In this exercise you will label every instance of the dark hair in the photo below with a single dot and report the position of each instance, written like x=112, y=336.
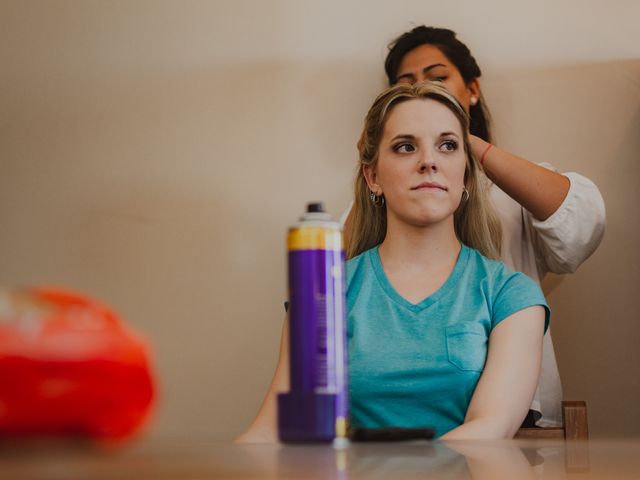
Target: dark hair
x=457, y=53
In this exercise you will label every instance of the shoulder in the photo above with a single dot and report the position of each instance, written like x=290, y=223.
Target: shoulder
x=486, y=268
x=507, y=291
x=355, y=263
x=360, y=277
x=497, y=274
x=358, y=265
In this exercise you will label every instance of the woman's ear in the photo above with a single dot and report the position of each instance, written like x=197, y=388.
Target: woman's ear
x=371, y=177
x=473, y=87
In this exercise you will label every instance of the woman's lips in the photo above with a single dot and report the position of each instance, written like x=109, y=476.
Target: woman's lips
x=429, y=186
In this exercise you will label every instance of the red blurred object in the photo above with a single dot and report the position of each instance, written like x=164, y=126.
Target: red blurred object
x=69, y=366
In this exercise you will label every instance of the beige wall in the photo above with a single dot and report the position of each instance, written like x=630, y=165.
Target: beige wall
x=153, y=153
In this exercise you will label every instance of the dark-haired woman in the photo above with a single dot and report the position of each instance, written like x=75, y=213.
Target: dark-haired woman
x=551, y=222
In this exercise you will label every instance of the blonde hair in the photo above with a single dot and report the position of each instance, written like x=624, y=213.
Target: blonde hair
x=475, y=221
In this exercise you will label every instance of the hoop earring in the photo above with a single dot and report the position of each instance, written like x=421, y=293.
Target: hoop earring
x=378, y=201
x=465, y=194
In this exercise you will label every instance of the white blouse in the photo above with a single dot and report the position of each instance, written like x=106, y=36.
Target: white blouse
x=558, y=244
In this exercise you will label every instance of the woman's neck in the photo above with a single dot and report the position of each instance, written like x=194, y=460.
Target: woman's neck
x=419, y=248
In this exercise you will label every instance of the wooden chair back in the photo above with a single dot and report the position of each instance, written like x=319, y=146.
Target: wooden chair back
x=574, y=424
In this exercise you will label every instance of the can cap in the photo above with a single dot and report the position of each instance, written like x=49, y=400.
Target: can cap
x=316, y=216
x=315, y=207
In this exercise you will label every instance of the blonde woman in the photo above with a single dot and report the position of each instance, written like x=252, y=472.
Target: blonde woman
x=439, y=334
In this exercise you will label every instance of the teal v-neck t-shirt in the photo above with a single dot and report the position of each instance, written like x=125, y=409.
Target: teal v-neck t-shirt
x=417, y=365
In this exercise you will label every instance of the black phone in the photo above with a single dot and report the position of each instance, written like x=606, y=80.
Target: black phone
x=390, y=434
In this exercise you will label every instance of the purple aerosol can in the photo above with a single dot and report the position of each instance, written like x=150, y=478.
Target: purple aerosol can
x=316, y=407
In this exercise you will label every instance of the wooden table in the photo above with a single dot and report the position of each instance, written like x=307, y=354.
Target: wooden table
x=513, y=459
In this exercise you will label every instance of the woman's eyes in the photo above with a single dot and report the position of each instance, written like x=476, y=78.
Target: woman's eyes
x=438, y=79
x=404, y=148
x=449, y=146
x=445, y=146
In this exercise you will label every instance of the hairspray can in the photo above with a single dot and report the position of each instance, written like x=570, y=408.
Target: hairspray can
x=315, y=408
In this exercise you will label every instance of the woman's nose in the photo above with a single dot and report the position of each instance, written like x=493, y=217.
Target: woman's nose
x=426, y=162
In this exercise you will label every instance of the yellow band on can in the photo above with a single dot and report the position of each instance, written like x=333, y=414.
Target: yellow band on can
x=314, y=238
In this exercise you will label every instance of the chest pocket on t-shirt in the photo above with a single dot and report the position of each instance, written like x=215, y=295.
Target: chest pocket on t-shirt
x=467, y=346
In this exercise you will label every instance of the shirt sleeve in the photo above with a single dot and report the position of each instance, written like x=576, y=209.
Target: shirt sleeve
x=517, y=293
x=573, y=232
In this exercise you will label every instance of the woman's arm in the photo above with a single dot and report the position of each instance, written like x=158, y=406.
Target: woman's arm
x=494, y=460
x=503, y=394
x=539, y=190
x=263, y=429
